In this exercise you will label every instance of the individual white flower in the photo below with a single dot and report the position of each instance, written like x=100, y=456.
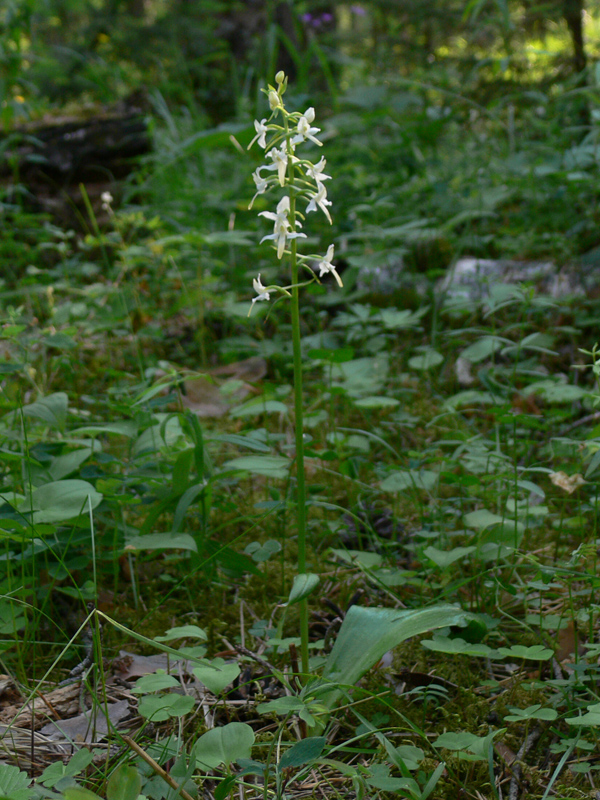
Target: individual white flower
x=304, y=128
x=261, y=292
x=261, y=133
x=262, y=184
x=274, y=101
x=280, y=162
x=107, y=199
x=315, y=171
x=326, y=266
x=281, y=226
x=320, y=199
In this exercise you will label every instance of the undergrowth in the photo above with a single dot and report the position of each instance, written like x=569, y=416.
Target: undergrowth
x=451, y=456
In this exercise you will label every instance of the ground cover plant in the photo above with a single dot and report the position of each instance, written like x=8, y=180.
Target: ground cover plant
x=315, y=515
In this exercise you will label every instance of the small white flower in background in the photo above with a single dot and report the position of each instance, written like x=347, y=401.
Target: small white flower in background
x=320, y=199
x=325, y=266
x=304, y=129
x=107, y=199
x=315, y=171
x=280, y=162
x=282, y=226
x=261, y=133
x=261, y=292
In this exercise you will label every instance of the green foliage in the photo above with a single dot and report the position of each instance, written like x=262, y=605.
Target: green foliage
x=452, y=448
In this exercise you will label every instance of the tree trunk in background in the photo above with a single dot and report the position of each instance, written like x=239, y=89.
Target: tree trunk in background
x=573, y=14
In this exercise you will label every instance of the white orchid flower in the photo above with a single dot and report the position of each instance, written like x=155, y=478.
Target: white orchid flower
x=280, y=162
x=262, y=185
x=281, y=226
x=261, y=133
x=320, y=199
x=261, y=292
x=325, y=266
x=305, y=131
x=315, y=171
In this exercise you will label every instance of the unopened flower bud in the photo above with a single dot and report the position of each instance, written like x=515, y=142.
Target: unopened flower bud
x=274, y=101
x=280, y=77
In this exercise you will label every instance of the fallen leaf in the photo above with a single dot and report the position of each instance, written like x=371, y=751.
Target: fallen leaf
x=89, y=726
x=567, y=482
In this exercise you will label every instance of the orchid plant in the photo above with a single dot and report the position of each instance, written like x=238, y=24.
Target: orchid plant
x=301, y=180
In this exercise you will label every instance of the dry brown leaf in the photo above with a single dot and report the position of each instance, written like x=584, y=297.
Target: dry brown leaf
x=569, y=483
x=250, y=370
x=211, y=396
x=89, y=726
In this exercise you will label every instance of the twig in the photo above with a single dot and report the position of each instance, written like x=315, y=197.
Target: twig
x=517, y=770
x=582, y=421
x=156, y=767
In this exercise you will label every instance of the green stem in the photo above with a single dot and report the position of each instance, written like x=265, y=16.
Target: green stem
x=298, y=408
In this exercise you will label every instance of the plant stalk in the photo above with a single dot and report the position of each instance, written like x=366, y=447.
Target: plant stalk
x=298, y=414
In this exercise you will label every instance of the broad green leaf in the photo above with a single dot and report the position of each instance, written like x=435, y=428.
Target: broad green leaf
x=69, y=462
x=482, y=519
x=165, y=433
x=442, y=644
x=281, y=705
x=470, y=397
x=303, y=752
x=531, y=712
x=14, y=784
x=76, y=764
x=483, y=348
x=394, y=318
x=262, y=552
x=162, y=541
x=158, y=708
x=377, y=402
x=362, y=376
x=269, y=466
x=367, y=633
x=443, y=558
x=456, y=741
x=155, y=682
x=126, y=428
x=258, y=405
x=363, y=558
x=59, y=501
x=240, y=441
x=564, y=393
x=410, y=756
x=423, y=479
x=304, y=584
x=555, y=392
x=592, y=717
x=427, y=360
x=224, y=745
x=125, y=783
x=182, y=632
x=217, y=675
x=51, y=409
x=535, y=652
x=79, y=793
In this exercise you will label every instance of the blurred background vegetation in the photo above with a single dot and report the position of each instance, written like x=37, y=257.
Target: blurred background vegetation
x=213, y=54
